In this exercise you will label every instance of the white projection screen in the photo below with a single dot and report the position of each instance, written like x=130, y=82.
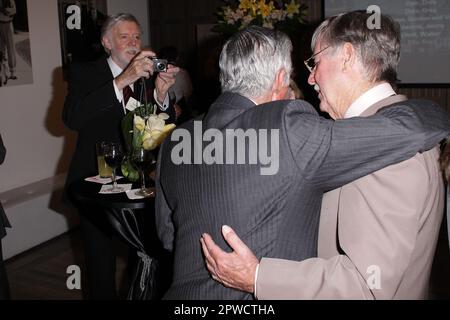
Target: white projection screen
x=425, y=25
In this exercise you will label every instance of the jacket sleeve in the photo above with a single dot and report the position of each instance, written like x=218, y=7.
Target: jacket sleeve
x=86, y=99
x=170, y=110
x=333, y=153
x=309, y=279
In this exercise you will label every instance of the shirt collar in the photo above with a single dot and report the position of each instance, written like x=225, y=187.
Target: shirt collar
x=369, y=98
x=115, y=69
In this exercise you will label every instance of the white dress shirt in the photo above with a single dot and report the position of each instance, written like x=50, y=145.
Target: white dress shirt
x=369, y=98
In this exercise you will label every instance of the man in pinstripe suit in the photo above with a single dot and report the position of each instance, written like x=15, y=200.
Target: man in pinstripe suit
x=277, y=215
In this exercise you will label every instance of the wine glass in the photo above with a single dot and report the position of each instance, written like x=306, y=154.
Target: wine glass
x=142, y=159
x=113, y=157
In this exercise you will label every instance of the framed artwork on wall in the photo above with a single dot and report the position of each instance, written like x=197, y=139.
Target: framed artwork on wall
x=15, y=52
x=80, y=23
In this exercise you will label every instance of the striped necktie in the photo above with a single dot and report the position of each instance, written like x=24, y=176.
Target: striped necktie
x=127, y=94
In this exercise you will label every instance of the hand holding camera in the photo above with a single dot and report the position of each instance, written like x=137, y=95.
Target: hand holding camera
x=159, y=65
x=145, y=64
x=141, y=66
x=165, y=80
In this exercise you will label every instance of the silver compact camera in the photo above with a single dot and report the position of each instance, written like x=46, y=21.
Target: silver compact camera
x=159, y=65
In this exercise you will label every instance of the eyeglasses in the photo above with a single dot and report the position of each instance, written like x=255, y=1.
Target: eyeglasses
x=310, y=63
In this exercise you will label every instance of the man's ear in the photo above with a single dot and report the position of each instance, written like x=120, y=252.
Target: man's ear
x=348, y=55
x=279, y=88
x=106, y=43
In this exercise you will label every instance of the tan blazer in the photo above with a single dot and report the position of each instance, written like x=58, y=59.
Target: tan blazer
x=377, y=237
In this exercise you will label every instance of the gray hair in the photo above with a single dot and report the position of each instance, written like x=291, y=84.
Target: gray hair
x=251, y=58
x=111, y=21
x=378, y=49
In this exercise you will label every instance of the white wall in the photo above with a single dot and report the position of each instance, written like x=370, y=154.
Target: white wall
x=30, y=114
x=139, y=8
x=38, y=145
x=37, y=215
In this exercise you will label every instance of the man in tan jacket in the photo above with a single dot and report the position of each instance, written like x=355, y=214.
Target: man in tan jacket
x=378, y=234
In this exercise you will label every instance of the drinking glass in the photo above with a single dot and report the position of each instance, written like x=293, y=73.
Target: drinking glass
x=113, y=156
x=104, y=170
x=142, y=159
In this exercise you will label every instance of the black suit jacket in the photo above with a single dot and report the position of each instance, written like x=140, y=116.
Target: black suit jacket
x=91, y=108
x=3, y=219
x=276, y=215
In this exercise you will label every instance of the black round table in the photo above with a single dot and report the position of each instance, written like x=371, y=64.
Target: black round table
x=87, y=193
x=121, y=213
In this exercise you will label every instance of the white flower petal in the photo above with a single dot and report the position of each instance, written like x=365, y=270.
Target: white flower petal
x=163, y=116
x=138, y=123
x=149, y=144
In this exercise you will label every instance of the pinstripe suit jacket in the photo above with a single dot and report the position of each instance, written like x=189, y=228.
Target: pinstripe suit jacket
x=277, y=215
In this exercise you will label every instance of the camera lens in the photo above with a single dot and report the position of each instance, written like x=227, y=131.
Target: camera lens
x=160, y=66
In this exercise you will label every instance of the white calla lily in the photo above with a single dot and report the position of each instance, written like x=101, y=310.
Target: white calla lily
x=155, y=133
x=138, y=123
x=155, y=123
x=163, y=116
x=147, y=135
x=149, y=144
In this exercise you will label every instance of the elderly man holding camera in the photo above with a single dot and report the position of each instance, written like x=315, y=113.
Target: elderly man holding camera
x=97, y=100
